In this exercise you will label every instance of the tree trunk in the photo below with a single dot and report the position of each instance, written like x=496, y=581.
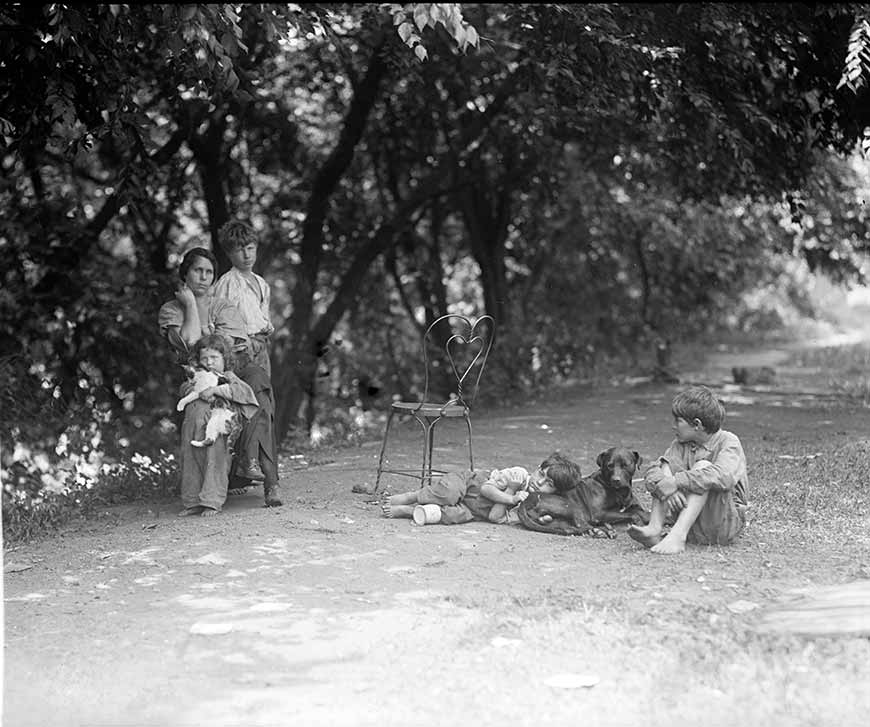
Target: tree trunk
x=208, y=149
x=297, y=364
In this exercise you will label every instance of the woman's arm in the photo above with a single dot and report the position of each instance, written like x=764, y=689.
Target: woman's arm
x=191, y=329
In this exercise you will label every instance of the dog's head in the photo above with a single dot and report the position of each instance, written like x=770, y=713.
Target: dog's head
x=188, y=370
x=618, y=466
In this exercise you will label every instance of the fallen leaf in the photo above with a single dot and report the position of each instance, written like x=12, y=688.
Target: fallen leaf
x=211, y=629
x=571, y=681
x=16, y=567
x=210, y=559
x=270, y=607
x=500, y=641
x=741, y=606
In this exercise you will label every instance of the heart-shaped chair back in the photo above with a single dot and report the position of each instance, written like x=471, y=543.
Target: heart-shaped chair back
x=466, y=347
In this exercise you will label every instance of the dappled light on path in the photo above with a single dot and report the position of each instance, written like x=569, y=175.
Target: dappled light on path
x=323, y=611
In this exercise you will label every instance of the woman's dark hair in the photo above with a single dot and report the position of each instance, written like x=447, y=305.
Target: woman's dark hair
x=190, y=257
x=219, y=343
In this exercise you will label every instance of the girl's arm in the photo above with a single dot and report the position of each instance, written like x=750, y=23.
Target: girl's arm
x=237, y=392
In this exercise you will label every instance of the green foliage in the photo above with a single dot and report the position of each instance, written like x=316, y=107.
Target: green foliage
x=590, y=174
x=857, y=66
x=413, y=18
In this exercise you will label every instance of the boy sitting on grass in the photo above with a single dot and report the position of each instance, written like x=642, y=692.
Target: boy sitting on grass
x=700, y=479
x=466, y=496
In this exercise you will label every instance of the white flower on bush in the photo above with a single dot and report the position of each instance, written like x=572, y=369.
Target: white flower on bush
x=41, y=462
x=62, y=444
x=54, y=483
x=20, y=453
x=141, y=459
x=88, y=468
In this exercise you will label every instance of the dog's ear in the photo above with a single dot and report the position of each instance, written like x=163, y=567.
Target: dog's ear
x=603, y=458
x=637, y=459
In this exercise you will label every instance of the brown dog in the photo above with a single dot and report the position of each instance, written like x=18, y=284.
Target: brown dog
x=603, y=498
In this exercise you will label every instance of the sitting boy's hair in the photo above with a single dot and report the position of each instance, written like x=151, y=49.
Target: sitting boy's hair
x=563, y=473
x=235, y=234
x=216, y=342
x=699, y=402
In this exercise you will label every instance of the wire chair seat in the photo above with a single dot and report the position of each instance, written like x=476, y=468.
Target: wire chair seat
x=475, y=341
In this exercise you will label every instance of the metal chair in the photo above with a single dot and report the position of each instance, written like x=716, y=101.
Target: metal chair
x=457, y=350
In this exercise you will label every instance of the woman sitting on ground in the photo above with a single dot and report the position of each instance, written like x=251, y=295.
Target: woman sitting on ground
x=196, y=312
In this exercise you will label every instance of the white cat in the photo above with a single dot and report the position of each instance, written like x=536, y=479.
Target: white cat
x=219, y=418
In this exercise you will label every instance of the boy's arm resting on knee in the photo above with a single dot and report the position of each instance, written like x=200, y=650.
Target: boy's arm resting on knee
x=721, y=474
x=658, y=478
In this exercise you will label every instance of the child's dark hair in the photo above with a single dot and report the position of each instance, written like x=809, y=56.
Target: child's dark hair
x=563, y=473
x=216, y=342
x=699, y=402
x=190, y=258
x=236, y=234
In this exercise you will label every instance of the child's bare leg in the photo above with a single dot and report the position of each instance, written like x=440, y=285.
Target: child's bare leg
x=497, y=513
x=401, y=505
x=675, y=541
x=650, y=535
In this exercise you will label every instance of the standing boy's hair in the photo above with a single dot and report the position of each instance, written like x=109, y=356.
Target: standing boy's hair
x=699, y=402
x=563, y=472
x=235, y=234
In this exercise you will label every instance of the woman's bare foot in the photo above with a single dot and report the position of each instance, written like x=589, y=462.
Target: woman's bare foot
x=188, y=511
x=646, y=537
x=209, y=512
x=670, y=545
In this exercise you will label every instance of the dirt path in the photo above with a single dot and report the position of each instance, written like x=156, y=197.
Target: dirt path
x=325, y=613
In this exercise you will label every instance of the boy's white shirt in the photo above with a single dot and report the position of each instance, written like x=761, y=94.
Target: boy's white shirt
x=236, y=287
x=514, y=478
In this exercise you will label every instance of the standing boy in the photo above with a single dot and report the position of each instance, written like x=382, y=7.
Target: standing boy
x=249, y=291
x=257, y=456
x=700, y=479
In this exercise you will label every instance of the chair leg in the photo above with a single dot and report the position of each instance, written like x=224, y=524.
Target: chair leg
x=470, y=454
x=427, y=452
x=383, y=449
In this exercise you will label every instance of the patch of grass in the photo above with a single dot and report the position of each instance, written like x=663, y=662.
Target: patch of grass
x=847, y=368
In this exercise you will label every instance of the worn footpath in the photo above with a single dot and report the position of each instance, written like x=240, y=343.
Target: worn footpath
x=323, y=612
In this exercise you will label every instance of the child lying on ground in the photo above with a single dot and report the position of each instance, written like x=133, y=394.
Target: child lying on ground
x=465, y=496
x=700, y=479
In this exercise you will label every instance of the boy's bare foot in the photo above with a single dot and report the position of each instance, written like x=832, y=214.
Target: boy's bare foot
x=188, y=511
x=647, y=538
x=209, y=512
x=669, y=546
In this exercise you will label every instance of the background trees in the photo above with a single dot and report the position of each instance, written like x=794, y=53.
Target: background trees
x=591, y=175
